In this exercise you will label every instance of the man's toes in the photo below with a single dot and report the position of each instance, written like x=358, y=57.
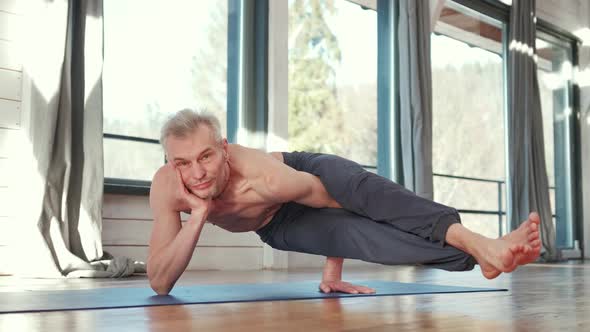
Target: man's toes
x=526, y=225
x=527, y=249
x=534, y=217
x=515, y=248
x=533, y=236
x=536, y=243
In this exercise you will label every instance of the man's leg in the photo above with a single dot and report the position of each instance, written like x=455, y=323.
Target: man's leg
x=341, y=233
x=376, y=197
x=382, y=200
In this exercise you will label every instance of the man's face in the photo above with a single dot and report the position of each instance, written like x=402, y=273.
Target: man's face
x=201, y=161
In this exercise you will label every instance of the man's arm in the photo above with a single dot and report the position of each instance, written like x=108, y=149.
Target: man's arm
x=285, y=184
x=171, y=244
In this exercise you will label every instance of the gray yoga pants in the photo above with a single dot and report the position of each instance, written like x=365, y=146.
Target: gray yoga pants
x=380, y=221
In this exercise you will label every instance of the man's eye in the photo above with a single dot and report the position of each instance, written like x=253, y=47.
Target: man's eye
x=205, y=157
x=182, y=163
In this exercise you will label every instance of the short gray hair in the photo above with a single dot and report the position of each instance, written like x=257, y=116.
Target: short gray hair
x=186, y=121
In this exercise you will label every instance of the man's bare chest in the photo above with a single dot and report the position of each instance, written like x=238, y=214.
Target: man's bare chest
x=240, y=209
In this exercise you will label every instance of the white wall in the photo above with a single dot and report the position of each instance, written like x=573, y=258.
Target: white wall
x=10, y=114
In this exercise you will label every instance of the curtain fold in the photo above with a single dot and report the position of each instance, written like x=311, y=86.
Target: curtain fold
x=415, y=97
x=60, y=219
x=528, y=182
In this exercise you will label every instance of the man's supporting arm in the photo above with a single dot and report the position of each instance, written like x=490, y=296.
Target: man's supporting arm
x=332, y=279
x=171, y=244
x=167, y=262
x=333, y=269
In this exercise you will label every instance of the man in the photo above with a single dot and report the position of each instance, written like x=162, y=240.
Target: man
x=312, y=203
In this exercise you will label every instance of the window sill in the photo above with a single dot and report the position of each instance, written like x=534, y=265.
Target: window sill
x=126, y=187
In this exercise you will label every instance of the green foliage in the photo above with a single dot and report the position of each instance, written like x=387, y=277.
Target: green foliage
x=315, y=117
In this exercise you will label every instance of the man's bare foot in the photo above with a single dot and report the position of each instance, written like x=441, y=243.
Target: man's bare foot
x=496, y=256
x=519, y=247
x=527, y=234
x=524, y=246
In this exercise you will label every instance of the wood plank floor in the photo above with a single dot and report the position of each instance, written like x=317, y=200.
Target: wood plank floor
x=541, y=298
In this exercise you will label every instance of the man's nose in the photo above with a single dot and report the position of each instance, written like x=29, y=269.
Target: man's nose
x=197, y=171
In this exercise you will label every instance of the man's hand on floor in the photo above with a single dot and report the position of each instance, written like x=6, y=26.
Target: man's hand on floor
x=327, y=286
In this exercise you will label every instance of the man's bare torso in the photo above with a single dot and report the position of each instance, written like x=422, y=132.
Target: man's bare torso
x=240, y=207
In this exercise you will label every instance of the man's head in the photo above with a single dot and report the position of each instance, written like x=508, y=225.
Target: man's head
x=193, y=144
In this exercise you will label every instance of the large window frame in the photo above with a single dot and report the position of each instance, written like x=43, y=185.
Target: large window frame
x=501, y=12
x=247, y=101
x=559, y=37
x=489, y=16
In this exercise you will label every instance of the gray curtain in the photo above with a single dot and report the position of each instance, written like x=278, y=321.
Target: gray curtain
x=415, y=118
x=62, y=159
x=528, y=184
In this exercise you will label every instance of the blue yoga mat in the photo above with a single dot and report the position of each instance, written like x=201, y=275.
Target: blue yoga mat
x=104, y=298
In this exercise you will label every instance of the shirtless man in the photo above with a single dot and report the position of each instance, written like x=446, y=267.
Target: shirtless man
x=313, y=203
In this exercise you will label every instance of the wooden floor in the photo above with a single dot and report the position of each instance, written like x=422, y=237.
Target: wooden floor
x=541, y=298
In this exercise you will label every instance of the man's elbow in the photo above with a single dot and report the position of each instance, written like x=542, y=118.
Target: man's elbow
x=158, y=282
x=160, y=287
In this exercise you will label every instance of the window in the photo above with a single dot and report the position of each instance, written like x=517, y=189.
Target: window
x=555, y=74
x=468, y=117
x=158, y=58
x=333, y=79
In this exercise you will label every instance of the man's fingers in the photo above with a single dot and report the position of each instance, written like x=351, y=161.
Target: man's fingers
x=346, y=289
x=365, y=290
x=180, y=182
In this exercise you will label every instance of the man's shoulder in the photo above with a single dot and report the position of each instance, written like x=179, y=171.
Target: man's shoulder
x=247, y=160
x=163, y=174
x=163, y=181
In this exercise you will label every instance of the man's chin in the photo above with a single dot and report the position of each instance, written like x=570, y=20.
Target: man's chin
x=204, y=195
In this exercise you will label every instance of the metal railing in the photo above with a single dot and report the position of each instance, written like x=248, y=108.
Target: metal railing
x=500, y=212
x=499, y=183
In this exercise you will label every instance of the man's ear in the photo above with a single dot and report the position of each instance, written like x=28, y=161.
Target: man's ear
x=169, y=162
x=224, y=146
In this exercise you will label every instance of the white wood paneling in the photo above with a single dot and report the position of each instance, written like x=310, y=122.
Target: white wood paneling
x=8, y=142
x=6, y=230
x=6, y=172
x=9, y=114
x=13, y=6
x=204, y=258
x=127, y=224
x=10, y=26
x=137, y=232
x=126, y=207
x=10, y=84
x=5, y=260
x=6, y=209
x=10, y=57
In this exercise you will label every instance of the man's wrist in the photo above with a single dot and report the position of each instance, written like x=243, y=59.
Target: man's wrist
x=197, y=217
x=333, y=269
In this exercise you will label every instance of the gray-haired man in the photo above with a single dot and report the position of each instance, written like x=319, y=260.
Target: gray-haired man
x=307, y=202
